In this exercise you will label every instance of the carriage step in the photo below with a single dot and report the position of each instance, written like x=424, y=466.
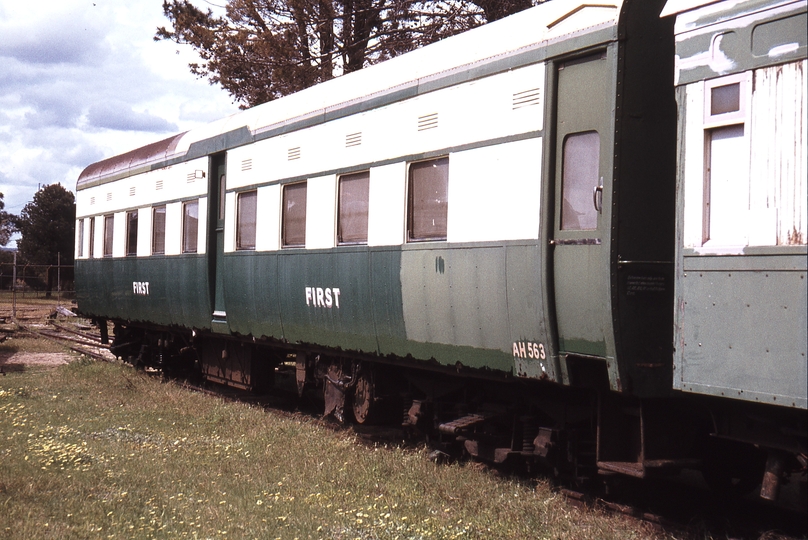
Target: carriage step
x=456, y=426
x=640, y=469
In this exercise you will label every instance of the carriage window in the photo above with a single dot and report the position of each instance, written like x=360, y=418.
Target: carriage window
x=109, y=223
x=579, y=180
x=725, y=193
x=81, y=238
x=91, y=247
x=428, y=200
x=725, y=99
x=352, y=217
x=293, y=233
x=158, y=230
x=245, y=220
x=131, y=233
x=726, y=190
x=190, y=226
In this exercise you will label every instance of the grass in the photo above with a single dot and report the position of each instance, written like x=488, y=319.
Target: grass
x=20, y=341
x=93, y=450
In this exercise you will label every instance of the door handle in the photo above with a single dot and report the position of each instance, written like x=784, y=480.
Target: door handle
x=597, y=196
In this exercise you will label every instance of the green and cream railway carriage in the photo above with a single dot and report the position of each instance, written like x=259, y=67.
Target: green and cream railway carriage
x=500, y=209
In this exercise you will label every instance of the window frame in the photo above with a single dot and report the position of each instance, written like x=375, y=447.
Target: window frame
x=190, y=242
x=246, y=243
x=80, y=251
x=109, y=234
x=355, y=239
x=91, y=246
x=287, y=188
x=155, y=231
x=411, y=237
x=719, y=124
x=744, y=82
x=131, y=216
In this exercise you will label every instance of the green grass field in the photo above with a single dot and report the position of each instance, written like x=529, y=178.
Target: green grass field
x=95, y=450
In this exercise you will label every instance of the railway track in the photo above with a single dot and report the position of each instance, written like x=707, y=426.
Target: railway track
x=82, y=342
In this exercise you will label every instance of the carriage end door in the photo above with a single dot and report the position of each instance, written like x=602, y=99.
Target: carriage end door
x=216, y=242
x=584, y=112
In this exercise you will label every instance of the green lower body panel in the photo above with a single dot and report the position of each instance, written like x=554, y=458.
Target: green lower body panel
x=476, y=306
x=447, y=304
x=169, y=291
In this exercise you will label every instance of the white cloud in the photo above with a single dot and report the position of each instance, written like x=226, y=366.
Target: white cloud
x=119, y=116
x=82, y=80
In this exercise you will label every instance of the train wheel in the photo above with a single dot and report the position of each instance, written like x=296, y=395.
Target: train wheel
x=364, y=398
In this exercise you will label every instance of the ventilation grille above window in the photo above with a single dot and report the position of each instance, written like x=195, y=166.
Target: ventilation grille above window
x=132, y=191
x=92, y=200
x=158, y=185
x=428, y=121
x=293, y=153
x=190, y=177
x=246, y=164
x=526, y=98
x=353, y=139
x=109, y=196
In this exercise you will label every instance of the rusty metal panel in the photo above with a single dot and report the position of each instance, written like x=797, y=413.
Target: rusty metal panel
x=779, y=149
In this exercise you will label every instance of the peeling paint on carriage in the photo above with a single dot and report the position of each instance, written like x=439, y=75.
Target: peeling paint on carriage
x=740, y=325
x=725, y=38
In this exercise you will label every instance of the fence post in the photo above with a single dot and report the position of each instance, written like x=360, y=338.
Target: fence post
x=59, y=278
x=14, y=290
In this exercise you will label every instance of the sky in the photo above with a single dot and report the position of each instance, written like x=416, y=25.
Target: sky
x=83, y=80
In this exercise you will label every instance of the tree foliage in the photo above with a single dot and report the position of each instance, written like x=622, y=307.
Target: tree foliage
x=264, y=49
x=46, y=225
x=7, y=227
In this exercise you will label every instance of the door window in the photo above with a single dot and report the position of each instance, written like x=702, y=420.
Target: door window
x=579, y=181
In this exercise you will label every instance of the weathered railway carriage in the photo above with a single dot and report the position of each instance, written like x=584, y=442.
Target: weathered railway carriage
x=485, y=228
x=740, y=324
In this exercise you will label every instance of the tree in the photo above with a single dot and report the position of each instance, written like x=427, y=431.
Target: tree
x=6, y=223
x=264, y=49
x=46, y=225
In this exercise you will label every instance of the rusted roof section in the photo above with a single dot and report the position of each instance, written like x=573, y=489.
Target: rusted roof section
x=125, y=163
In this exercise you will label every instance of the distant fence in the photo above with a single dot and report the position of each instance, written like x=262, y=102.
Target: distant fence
x=36, y=284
